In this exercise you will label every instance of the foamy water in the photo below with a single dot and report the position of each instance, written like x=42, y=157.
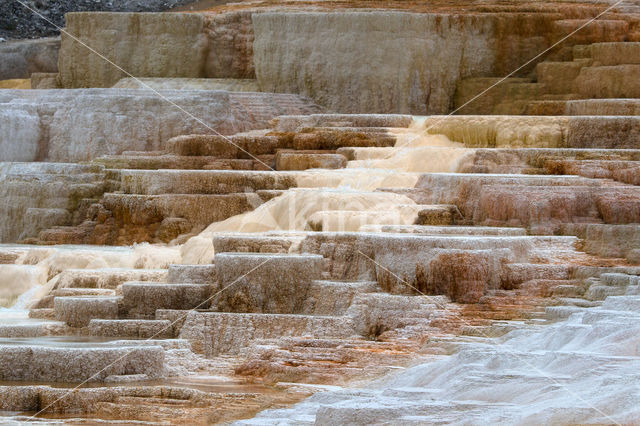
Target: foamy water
x=300, y=209
x=36, y=270
x=344, y=200
x=415, y=151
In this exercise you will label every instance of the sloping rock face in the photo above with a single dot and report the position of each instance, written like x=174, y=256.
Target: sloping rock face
x=43, y=125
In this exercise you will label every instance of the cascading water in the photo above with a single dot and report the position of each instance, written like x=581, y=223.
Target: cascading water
x=578, y=371
x=18, y=280
x=347, y=193
x=35, y=272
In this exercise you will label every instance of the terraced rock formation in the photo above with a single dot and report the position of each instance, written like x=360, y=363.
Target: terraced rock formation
x=185, y=254
x=331, y=54
x=598, y=79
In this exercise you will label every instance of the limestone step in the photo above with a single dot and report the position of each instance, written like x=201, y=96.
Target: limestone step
x=146, y=161
x=579, y=302
x=600, y=168
x=197, y=209
x=260, y=163
x=53, y=191
x=353, y=129
x=335, y=139
x=619, y=280
x=137, y=154
x=601, y=292
x=157, y=182
x=78, y=311
x=519, y=273
x=83, y=292
x=265, y=282
x=197, y=274
x=538, y=157
x=615, y=53
x=415, y=248
x=523, y=91
x=574, y=132
x=633, y=290
x=374, y=313
x=297, y=160
x=622, y=303
x=558, y=77
x=442, y=181
x=8, y=256
x=252, y=243
x=468, y=89
x=230, y=147
x=568, y=291
x=107, y=278
x=34, y=329
x=65, y=235
x=170, y=161
x=334, y=297
x=214, y=333
x=130, y=218
x=42, y=313
x=226, y=84
x=554, y=243
x=630, y=175
x=621, y=318
x=138, y=329
x=444, y=230
x=293, y=123
x=48, y=300
x=141, y=299
x=353, y=220
x=443, y=214
x=602, y=107
x=77, y=364
x=612, y=81
x=581, y=51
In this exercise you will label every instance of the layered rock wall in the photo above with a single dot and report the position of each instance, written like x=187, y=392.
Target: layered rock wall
x=388, y=61
x=354, y=61
x=371, y=61
x=154, y=45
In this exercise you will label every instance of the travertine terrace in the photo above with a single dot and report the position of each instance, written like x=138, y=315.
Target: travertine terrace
x=324, y=213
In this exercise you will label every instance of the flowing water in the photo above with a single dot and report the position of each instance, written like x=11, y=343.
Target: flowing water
x=35, y=271
x=344, y=200
x=582, y=370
